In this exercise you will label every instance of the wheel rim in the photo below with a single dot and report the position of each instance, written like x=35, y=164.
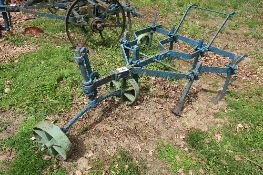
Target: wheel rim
x=53, y=138
x=94, y=22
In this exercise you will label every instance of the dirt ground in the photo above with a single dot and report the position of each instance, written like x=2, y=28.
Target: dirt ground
x=139, y=128
x=9, y=123
x=9, y=52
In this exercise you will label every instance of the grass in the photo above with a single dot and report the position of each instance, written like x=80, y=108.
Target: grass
x=40, y=86
x=177, y=159
x=121, y=163
x=240, y=145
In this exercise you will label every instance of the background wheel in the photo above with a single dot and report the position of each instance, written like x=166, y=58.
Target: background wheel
x=99, y=22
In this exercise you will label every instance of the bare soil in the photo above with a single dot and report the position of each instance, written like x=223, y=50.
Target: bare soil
x=9, y=123
x=8, y=51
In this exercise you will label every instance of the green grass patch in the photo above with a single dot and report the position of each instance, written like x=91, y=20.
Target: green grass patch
x=240, y=145
x=41, y=81
x=121, y=163
x=176, y=158
x=41, y=84
x=17, y=40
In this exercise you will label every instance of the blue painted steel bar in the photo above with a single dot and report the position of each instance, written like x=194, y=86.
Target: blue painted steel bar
x=219, y=29
x=114, y=76
x=125, y=53
x=238, y=59
x=183, y=18
x=187, y=40
x=83, y=53
x=7, y=23
x=193, y=75
x=183, y=55
x=211, y=10
x=180, y=105
x=145, y=30
x=152, y=59
x=159, y=29
x=209, y=69
x=43, y=14
x=222, y=93
x=90, y=105
x=80, y=59
x=158, y=73
x=222, y=52
x=167, y=65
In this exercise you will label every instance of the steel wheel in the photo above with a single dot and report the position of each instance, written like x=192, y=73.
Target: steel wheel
x=53, y=138
x=131, y=91
x=96, y=21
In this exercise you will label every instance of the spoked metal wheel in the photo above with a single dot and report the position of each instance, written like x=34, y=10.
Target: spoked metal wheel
x=95, y=21
x=131, y=91
x=53, y=138
x=129, y=88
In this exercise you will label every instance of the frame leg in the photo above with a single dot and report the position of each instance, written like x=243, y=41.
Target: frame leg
x=178, y=109
x=171, y=47
x=222, y=93
x=6, y=21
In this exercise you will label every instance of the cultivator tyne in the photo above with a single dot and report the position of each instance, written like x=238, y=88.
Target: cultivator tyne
x=124, y=81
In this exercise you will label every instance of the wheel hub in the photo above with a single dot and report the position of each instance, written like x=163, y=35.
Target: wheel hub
x=97, y=25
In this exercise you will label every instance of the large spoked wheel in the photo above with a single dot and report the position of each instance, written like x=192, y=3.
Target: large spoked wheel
x=95, y=21
x=53, y=138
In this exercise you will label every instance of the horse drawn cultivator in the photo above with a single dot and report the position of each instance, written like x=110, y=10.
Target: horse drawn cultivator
x=98, y=15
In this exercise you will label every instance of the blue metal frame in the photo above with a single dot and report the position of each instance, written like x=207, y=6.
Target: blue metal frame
x=6, y=18
x=135, y=62
x=172, y=37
